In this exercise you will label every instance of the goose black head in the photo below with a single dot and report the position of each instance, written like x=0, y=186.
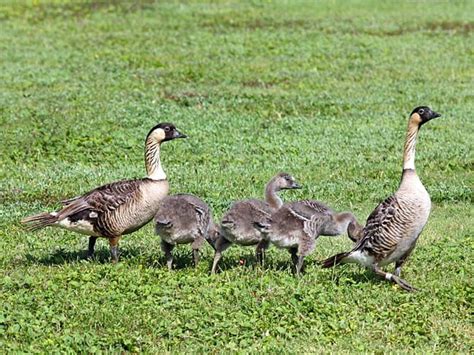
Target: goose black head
x=163, y=132
x=423, y=114
x=285, y=181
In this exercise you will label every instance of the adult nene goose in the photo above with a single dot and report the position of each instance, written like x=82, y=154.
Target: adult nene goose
x=240, y=223
x=119, y=208
x=393, y=228
x=184, y=219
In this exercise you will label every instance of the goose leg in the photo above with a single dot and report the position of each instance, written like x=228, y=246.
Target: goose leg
x=90, y=249
x=393, y=278
x=401, y=261
x=221, y=245
x=262, y=246
x=167, y=248
x=113, y=243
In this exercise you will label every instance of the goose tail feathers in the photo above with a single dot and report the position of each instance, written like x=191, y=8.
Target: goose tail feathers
x=334, y=260
x=39, y=221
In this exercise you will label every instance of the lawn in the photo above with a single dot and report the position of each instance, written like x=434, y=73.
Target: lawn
x=321, y=90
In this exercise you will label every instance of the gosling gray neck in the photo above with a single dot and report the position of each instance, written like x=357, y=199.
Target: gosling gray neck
x=152, y=160
x=271, y=197
x=343, y=219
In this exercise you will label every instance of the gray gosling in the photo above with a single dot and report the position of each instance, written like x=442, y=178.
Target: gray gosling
x=393, y=228
x=119, y=208
x=184, y=219
x=297, y=225
x=240, y=224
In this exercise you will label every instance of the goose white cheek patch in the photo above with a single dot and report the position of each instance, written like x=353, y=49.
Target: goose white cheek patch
x=159, y=134
x=388, y=276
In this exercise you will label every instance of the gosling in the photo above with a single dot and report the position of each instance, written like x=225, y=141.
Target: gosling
x=184, y=219
x=240, y=224
x=297, y=225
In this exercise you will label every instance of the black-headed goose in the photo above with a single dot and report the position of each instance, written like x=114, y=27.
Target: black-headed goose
x=119, y=208
x=240, y=223
x=393, y=228
x=297, y=225
x=184, y=219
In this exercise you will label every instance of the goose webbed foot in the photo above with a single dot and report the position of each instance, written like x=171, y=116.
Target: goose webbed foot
x=394, y=278
x=403, y=284
x=91, y=247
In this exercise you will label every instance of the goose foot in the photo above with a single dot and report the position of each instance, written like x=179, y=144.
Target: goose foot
x=393, y=278
x=403, y=284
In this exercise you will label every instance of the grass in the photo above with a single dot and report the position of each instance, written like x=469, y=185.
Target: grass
x=320, y=90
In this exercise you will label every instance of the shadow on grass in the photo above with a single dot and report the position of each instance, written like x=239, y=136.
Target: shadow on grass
x=181, y=259
x=101, y=256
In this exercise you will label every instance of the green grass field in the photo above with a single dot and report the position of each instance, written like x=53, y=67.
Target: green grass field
x=320, y=90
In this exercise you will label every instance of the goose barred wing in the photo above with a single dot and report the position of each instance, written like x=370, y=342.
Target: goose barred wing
x=104, y=199
x=380, y=234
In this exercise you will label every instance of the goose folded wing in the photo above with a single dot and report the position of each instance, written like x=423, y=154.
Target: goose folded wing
x=104, y=199
x=379, y=234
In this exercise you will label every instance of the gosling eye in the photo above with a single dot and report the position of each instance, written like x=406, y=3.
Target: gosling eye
x=421, y=111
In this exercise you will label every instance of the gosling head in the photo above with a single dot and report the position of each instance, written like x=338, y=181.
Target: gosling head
x=284, y=181
x=163, y=132
x=422, y=114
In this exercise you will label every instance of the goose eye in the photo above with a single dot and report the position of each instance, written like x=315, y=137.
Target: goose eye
x=167, y=129
x=421, y=111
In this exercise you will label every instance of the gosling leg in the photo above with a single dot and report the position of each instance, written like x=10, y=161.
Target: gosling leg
x=221, y=245
x=167, y=248
x=294, y=258
x=196, y=245
x=262, y=247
